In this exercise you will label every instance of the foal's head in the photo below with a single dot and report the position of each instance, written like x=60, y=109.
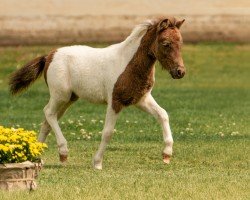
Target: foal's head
x=167, y=46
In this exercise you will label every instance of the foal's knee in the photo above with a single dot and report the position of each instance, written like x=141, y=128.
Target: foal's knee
x=48, y=114
x=107, y=134
x=163, y=116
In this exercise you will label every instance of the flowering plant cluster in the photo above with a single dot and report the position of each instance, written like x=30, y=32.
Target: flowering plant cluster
x=19, y=145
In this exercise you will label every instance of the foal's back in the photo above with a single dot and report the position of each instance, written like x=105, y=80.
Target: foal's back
x=88, y=72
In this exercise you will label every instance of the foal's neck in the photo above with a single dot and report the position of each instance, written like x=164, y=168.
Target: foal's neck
x=144, y=59
x=138, y=76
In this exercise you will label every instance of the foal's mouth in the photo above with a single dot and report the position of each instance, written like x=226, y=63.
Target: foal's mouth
x=177, y=73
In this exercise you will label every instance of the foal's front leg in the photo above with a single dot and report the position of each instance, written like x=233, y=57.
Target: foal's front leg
x=149, y=105
x=107, y=132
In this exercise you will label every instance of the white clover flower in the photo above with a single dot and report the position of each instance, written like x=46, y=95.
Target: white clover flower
x=82, y=131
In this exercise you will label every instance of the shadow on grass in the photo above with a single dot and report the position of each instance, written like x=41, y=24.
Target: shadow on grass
x=61, y=166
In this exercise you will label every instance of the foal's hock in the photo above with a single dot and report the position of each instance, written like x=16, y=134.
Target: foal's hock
x=119, y=75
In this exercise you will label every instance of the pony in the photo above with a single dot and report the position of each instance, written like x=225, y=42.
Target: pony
x=119, y=75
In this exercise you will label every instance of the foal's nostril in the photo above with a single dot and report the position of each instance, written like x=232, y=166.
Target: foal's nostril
x=179, y=73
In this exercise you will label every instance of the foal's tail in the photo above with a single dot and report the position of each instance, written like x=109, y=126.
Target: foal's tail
x=23, y=77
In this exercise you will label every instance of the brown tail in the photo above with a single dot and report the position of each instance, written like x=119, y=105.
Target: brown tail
x=22, y=78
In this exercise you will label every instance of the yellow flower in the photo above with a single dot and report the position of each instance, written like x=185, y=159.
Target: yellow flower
x=18, y=145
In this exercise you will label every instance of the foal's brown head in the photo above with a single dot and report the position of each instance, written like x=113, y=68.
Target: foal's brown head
x=167, y=46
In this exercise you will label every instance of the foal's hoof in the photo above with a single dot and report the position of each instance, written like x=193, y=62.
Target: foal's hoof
x=166, y=158
x=63, y=158
x=97, y=164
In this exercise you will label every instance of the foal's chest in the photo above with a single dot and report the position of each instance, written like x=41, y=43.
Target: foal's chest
x=131, y=86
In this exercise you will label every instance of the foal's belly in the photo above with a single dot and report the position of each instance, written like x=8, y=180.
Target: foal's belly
x=91, y=90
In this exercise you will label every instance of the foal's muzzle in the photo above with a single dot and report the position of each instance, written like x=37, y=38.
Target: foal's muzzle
x=178, y=72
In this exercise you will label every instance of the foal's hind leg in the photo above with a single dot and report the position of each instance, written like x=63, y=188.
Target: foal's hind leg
x=44, y=131
x=51, y=110
x=45, y=128
x=107, y=131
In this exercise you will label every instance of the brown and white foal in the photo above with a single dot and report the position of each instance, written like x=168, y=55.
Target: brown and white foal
x=119, y=75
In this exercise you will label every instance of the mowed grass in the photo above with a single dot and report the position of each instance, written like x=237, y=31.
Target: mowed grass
x=209, y=113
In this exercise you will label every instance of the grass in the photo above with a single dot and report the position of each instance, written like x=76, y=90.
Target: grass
x=209, y=116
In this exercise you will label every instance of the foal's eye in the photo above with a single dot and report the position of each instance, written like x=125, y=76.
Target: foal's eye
x=166, y=44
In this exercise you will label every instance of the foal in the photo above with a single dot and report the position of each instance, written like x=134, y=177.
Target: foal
x=119, y=75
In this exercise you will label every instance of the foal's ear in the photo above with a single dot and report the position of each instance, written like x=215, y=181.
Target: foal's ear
x=179, y=23
x=163, y=25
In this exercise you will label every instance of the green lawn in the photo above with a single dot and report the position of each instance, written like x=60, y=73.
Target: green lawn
x=209, y=113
